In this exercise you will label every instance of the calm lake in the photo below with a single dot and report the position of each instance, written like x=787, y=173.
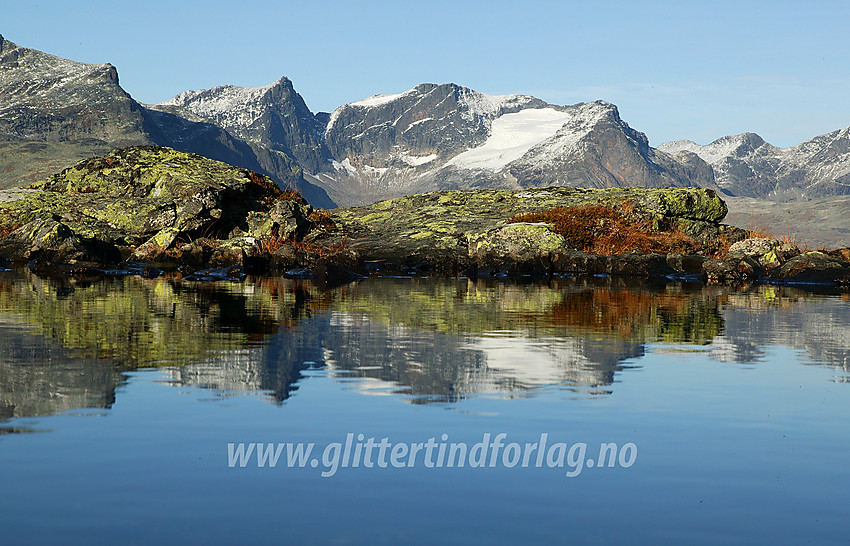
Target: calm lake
x=413, y=410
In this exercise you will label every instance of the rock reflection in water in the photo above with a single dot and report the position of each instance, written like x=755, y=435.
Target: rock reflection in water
x=39, y=377
x=66, y=343
x=443, y=340
x=769, y=315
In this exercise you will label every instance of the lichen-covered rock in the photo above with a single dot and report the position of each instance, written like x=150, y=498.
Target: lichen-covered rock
x=813, y=268
x=155, y=204
x=515, y=243
x=233, y=251
x=452, y=230
x=769, y=253
x=692, y=203
x=732, y=269
x=44, y=238
x=141, y=201
x=156, y=247
x=841, y=253
x=285, y=220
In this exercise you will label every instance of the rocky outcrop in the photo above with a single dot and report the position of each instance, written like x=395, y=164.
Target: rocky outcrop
x=813, y=268
x=460, y=230
x=147, y=203
x=767, y=253
x=779, y=262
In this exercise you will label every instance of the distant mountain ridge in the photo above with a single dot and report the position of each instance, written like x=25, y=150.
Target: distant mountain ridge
x=431, y=137
x=745, y=165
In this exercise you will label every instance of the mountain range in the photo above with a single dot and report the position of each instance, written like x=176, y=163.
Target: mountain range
x=54, y=112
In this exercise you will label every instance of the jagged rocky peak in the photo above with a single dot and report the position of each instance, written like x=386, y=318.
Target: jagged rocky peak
x=274, y=116
x=235, y=108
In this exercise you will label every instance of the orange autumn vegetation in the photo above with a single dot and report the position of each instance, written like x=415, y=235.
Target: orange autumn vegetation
x=606, y=229
x=322, y=219
x=272, y=244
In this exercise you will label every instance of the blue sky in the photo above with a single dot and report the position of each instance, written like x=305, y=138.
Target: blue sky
x=675, y=69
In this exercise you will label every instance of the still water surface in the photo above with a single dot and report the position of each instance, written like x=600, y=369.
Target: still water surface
x=119, y=397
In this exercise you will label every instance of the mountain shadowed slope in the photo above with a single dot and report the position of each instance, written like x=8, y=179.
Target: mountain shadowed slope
x=46, y=98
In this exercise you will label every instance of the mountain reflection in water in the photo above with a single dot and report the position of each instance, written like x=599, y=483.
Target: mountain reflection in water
x=67, y=344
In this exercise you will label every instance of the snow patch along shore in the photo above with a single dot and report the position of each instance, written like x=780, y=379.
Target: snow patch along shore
x=511, y=136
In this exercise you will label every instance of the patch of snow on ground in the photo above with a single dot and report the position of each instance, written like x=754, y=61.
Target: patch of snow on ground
x=415, y=161
x=511, y=136
x=377, y=172
x=585, y=117
x=377, y=100
x=345, y=165
x=417, y=122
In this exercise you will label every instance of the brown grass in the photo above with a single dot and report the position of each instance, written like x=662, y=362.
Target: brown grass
x=322, y=219
x=292, y=195
x=762, y=231
x=273, y=244
x=287, y=194
x=606, y=229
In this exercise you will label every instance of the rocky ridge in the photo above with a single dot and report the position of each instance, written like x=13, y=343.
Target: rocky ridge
x=446, y=137
x=432, y=137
